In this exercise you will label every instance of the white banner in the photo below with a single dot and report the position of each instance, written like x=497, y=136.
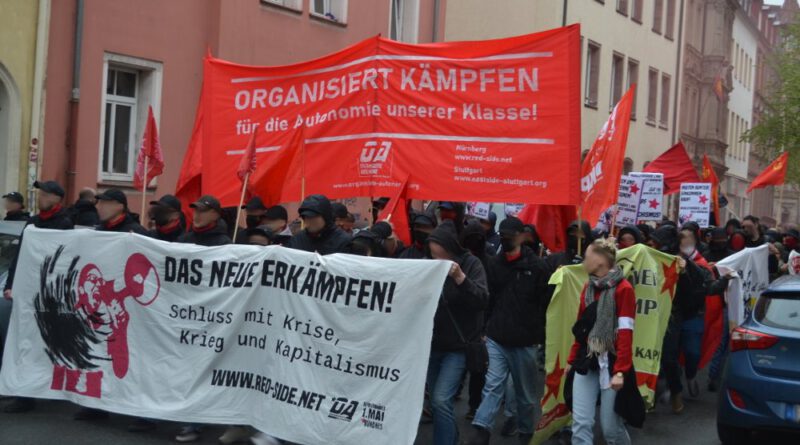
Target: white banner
x=751, y=266
x=695, y=203
x=651, y=198
x=306, y=348
x=794, y=263
x=630, y=190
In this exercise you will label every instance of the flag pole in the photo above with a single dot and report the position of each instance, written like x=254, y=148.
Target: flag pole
x=580, y=227
x=613, y=221
x=144, y=193
x=303, y=181
x=241, y=203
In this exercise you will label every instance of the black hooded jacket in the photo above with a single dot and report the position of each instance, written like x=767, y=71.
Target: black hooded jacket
x=19, y=215
x=330, y=239
x=718, y=251
x=569, y=255
x=128, y=225
x=634, y=232
x=474, y=233
x=693, y=283
x=465, y=301
x=84, y=213
x=519, y=297
x=217, y=236
x=58, y=221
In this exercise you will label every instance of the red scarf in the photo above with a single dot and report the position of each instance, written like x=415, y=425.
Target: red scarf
x=47, y=214
x=115, y=221
x=511, y=257
x=169, y=227
x=205, y=229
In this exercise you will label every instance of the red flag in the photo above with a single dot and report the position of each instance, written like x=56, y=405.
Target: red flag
x=602, y=167
x=676, y=167
x=190, y=180
x=150, y=150
x=278, y=177
x=774, y=174
x=551, y=223
x=248, y=163
x=710, y=176
x=396, y=212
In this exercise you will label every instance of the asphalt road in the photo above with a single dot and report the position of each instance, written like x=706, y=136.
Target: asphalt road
x=52, y=423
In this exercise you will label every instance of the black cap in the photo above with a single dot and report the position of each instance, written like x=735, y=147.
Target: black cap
x=169, y=201
x=113, y=195
x=339, y=210
x=255, y=203
x=206, y=202
x=15, y=197
x=261, y=230
x=383, y=229
x=511, y=226
x=51, y=187
x=277, y=212
x=423, y=219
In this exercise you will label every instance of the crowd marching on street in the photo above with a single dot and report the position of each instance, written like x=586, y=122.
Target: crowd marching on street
x=489, y=328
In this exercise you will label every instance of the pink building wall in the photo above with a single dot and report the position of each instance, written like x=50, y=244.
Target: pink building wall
x=177, y=33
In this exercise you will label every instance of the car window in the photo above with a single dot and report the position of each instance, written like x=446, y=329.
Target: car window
x=781, y=312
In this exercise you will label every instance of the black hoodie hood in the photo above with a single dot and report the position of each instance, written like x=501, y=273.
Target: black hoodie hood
x=474, y=230
x=319, y=204
x=634, y=231
x=667, y=238
x=587, y=233
x=445, y=235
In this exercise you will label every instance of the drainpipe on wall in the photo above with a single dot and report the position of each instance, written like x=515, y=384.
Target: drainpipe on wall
x=564, y=14
x=72, y=142
x=435, y=30
x=37, y=107
x=677, y=76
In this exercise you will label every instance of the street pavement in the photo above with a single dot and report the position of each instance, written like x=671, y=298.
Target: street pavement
x=52, y=423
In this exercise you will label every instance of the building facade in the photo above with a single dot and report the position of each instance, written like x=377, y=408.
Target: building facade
x=623, y=42
x=109, y=60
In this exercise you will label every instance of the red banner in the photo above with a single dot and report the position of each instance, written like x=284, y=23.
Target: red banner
x=602, y=168
x=774, y=174
x=490, y=121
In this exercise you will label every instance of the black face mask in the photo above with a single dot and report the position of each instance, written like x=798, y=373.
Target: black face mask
x=252, y=221
x=161, y=217
x=475, y=245
x=508, y=244
x=718, y=245
x=572, y=243
x=420, y=237
x=532, y=245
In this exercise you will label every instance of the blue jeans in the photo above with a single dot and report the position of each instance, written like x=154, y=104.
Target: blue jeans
x=445, y=370
x=585, y=389
x=691, y=343
x=510, y=399
x=520, y=363
x=715, y=368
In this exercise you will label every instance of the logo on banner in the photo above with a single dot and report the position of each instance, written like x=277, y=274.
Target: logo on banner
x=373, y=415
x=375, y=159
x=83, y=320
x=343, y=409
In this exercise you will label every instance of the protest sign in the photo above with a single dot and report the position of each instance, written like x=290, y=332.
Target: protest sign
x=794, y=263
x=654, y=276
x=235, y=335
x=479, y=210
x=630, y=190
x=489, y=121
x=751, y=266
x=652, y=196
x=513, y=209
x=695, y=203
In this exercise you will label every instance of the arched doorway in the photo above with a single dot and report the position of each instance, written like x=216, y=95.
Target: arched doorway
x=10, y=116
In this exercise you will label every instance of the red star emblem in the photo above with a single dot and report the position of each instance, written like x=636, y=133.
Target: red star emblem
x=553, y=382
x=634, y=188
x=703, y=199
x=653, y=203
x=670, y=278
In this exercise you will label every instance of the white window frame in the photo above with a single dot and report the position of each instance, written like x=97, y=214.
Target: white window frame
x=408, y=21
x=295, y=5
x=327, y=6
x=149, y=75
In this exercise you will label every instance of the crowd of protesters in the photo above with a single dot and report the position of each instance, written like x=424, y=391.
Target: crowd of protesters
x=489, y=328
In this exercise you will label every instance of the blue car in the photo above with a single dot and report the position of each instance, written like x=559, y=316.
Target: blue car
x=761, y=385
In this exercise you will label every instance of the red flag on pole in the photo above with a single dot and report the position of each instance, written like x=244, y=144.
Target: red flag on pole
x=602, y=167
x=551, y=223
x=248, y=163
x=774, y=174
x=396, y=212
x=149, y=154
x=710, y=176
x=279, y=175
x=676, y=167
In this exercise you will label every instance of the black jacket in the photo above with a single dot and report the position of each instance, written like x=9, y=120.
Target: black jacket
x=59, y=221
x=570, y=254
x=170, y=236
x=19, y=215
x=460, y=303
x=693, y=283
x=329, y=240
x=216, y=236
x=519, y=296
x=84, y=213
x=127, y=225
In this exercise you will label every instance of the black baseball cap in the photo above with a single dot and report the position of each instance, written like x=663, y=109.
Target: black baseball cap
x=255, y=203
x=277, y=212
x=51, y=187
x=169, y=201
x=113, y=195
x=339, y=210
x=206, y=202
x=15, y=197
x=511, y=226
